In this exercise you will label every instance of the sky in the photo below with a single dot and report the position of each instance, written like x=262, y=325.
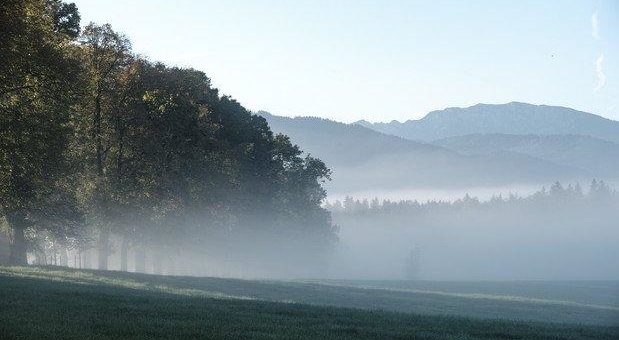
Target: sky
x=382, y=60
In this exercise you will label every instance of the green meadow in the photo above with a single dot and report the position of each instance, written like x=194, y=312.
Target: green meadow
x=61, y=303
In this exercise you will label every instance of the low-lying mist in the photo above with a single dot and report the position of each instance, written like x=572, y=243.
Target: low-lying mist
x=241, y=253
x=559, y=233
x=438, y=194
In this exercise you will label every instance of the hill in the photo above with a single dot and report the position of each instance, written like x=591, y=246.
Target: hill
x=596, y=156
x=79, y=304
x=340, y=144
x=364, y=159
x=511, y=118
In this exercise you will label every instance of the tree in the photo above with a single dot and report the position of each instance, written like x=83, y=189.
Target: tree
x=66, y=18
x=105, y=56
x=99, y=143
x=37, y=78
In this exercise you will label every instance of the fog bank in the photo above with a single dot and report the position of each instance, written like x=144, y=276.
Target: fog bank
x=556, y=234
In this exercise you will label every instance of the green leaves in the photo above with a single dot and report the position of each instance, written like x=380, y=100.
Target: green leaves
x=95, y=138
x=37, y=81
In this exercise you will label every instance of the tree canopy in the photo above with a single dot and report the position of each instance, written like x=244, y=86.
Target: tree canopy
x=104, y=149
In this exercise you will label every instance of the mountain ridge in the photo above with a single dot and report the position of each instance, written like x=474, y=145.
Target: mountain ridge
x=597, y=156
x=321, y=132
x=365, y=158
x=510, y=118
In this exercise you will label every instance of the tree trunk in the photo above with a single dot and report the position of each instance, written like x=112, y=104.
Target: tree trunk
x=87, y=259
x=39, y=257
x=104, y=250
x=18, y=225
x=96, y=131
x=124, y=248
x=140, y=260
x=64, y=257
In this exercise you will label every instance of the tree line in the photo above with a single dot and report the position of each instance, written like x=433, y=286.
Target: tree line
x=103, y=149
x=598, y=193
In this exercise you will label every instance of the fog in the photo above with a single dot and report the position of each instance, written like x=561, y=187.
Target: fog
x=559, y=233
x=439, y=194
x=242, y=253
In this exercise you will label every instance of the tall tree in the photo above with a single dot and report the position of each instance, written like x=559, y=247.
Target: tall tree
x=37, y=77
x=149, y=153
x=106, y=56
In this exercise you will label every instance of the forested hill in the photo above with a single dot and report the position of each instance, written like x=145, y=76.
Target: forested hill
x=363, y=159
x=103, y=150
x=597, y=156
x=511, y=118
x=340, y=144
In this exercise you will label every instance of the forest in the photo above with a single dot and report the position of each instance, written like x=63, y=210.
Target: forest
x=111, y=160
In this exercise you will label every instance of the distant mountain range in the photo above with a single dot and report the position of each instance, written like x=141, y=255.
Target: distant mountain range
x=339, y=144
x=512, y=118
x=596, y=156
x=364, y=159
x=483, y=145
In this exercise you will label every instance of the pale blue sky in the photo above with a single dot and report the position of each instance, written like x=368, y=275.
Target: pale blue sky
x=383, y=60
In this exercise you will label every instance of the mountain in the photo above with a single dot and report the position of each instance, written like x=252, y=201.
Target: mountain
x=340, y=144
x=363, y=159
x=512, y=118
x=596, y=156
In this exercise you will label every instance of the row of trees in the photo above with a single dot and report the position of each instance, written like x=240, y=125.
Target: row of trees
x=97, y=143
x=598, y=193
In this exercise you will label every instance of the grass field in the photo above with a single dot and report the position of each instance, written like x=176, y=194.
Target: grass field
x=60, y=303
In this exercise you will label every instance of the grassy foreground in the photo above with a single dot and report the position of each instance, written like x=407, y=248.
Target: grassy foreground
x=54, y=303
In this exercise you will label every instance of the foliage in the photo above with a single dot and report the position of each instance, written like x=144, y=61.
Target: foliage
x=557, y=195
x=37, y=78
x=99, y=143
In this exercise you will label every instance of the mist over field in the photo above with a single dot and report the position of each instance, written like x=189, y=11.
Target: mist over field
x=553, y=235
